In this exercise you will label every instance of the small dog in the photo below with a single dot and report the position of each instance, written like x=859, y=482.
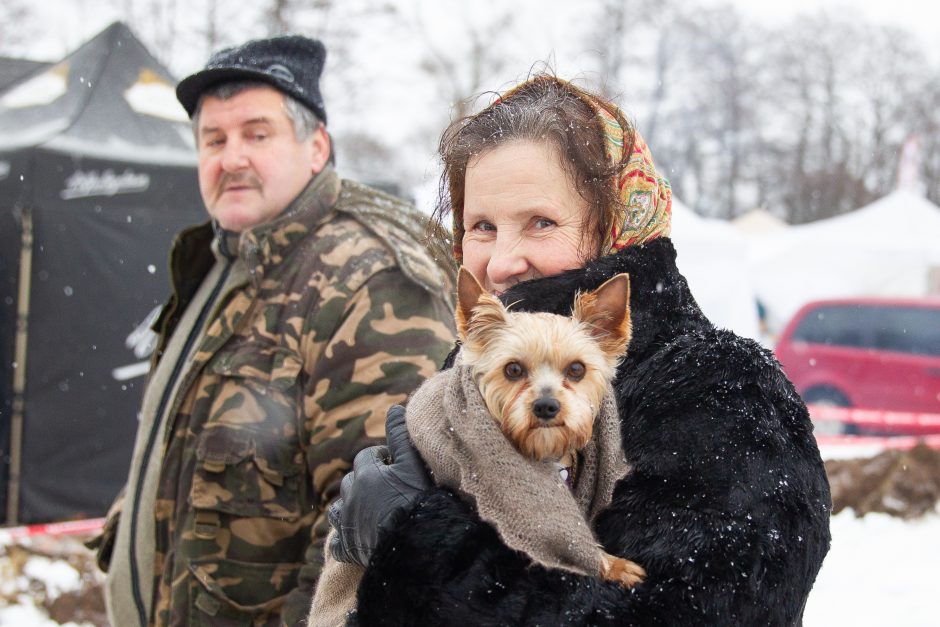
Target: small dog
x=543, y=376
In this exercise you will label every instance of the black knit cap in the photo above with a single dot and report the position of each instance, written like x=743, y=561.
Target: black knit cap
x=291, y=64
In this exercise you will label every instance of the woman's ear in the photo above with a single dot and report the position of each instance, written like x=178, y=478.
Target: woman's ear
x=606, y=311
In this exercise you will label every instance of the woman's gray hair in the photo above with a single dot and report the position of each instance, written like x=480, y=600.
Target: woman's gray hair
x=543, y=109
x=304, y=121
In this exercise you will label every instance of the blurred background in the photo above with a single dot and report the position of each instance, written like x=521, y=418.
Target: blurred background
x=802, y=141
x=801, y=113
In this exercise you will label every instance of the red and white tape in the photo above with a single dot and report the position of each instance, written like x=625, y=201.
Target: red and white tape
x=925, y=426
x=898, y=442
x=89, y=526
x=909, y=428
x=919, y=422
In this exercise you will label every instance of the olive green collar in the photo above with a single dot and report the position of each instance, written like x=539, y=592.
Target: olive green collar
x=267, y=244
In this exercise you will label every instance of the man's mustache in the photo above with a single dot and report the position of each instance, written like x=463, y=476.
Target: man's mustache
x=239, y=179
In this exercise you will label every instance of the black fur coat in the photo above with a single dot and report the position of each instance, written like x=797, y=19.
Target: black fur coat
x=727, y=506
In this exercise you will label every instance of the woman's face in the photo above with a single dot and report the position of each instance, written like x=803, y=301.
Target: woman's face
x=522, y=216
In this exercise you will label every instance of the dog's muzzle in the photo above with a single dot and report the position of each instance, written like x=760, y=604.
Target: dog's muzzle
x=546, y=407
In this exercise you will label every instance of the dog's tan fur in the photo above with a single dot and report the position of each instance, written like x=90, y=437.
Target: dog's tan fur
x=518, y=358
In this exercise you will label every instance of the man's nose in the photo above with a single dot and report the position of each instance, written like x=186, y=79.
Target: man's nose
x=507, y=262
x=234, y=156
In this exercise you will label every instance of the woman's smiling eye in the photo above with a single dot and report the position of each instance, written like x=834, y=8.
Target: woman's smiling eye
x=543, y=223
x=483, y=225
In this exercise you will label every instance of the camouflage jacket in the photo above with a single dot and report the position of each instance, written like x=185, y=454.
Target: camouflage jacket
x=341, y=314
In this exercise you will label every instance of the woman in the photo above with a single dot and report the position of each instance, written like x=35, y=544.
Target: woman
x=727, y=503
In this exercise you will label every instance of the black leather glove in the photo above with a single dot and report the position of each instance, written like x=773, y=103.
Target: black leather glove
x=383, y=480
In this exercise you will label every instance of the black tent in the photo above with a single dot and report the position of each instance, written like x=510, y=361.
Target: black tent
x=96, y=174
x=13, y=69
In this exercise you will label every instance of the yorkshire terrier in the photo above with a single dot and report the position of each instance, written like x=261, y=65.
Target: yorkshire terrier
x=543, y=376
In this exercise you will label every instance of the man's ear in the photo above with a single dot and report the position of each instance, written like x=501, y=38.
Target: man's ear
x=321, y=149
x=471, y=296
x=606, y=310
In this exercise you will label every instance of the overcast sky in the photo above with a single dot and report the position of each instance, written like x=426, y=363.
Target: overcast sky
x=71, y=22
x=921, y=17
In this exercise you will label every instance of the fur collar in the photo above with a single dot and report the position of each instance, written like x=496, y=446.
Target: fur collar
x=662, y=307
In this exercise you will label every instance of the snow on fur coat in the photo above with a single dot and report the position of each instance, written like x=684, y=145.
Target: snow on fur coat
x=727, y=506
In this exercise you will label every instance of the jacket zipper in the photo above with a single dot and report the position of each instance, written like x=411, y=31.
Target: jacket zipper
x=152, y=436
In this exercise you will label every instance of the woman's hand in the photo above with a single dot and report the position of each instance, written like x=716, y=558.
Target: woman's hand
x=383, y=480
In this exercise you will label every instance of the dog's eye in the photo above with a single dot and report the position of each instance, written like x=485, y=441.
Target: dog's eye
x=575, y=371
x=514, y=370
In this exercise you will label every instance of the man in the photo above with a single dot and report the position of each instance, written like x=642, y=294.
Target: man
x=299, y=314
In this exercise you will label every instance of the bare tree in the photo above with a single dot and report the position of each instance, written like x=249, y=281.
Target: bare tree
x=462, y=70
x=892, y=84
x=163, y=19
x=927, y=111
x=845, y=110
x=453, y=62
x=806, y=120
x=212, y=24
x=728, y=50
x=183, y=34
x=702, y=109
x=610, y=37
x=17, y=24
x=663, y=61
x=277, y=16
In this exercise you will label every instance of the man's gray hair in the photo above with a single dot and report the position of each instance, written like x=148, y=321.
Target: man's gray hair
x=304, y=121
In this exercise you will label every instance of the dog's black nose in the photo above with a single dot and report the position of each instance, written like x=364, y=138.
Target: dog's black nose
x=546, y=408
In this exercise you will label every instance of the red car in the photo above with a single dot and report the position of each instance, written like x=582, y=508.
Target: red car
x=874, y=353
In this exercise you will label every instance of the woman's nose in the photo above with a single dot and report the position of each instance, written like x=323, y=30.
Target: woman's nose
x=507, y=263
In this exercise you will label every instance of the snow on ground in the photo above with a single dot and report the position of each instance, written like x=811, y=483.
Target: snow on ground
x=880, y=571
x=26, y=615
x=59, y=571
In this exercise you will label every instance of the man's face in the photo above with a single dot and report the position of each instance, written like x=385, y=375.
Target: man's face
x=251, y=165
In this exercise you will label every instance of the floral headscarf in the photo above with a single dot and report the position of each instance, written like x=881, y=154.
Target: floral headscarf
x=646, y=195
x=645, y=212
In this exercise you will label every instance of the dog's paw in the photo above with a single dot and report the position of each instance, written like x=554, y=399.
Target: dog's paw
x=624, y=572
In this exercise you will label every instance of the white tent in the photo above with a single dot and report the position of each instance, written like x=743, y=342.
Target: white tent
x=884, y=249
x=758, y=221
x=712, y=255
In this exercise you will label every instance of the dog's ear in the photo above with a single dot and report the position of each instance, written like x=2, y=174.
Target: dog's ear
x=606, y=311
x=471, y=296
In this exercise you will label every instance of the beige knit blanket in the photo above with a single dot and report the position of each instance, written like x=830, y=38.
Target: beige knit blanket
x=527, y=502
